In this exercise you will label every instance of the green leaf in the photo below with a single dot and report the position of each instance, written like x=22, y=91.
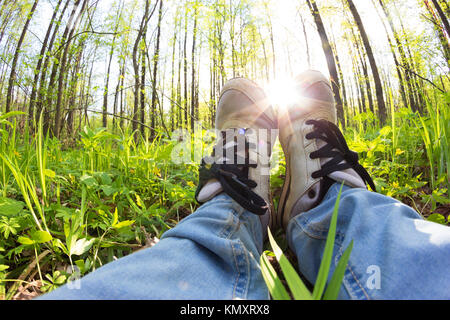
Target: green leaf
x=298, y=288
x=58, y=243
x=335, y=283
x=322, y=276
x=64, y=212
x=3, y=267
x=81, y=246
x=123, y=224
x=10, y=207
x=385, y=131
x=88, y=180
x=105, y=178
x=25, y=240
x=49, y=173
x=59, y=279
x=438, y=218
x=115, y=218
x=139, y=202
x=41, y=236
x=11, y=114
x=83, y=266
x=108, y=190
x=273, y=282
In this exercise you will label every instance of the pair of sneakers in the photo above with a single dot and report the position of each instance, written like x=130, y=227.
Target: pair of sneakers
x=316, y=152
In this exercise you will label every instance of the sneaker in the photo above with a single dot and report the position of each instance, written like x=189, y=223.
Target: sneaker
x=316, y=152
x=239, y=165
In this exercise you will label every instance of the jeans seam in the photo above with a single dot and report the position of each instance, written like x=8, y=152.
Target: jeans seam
x=241, y=257
x=236, y=281
x=315, y=232
x=349, y=286
x=232, y=225
x=227, y=231
x=247, y=263
x=357, y=282
x=239, y=253
x=341, y=252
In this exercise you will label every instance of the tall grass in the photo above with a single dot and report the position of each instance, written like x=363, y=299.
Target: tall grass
x=435, y=133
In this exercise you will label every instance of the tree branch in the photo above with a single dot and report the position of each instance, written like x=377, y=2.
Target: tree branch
x=423, y=78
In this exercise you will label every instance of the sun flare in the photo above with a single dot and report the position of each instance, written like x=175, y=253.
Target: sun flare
x=281, y=92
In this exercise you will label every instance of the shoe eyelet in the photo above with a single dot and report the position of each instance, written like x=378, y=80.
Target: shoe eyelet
x=312, y=194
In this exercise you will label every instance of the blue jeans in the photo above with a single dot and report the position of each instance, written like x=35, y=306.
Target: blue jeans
x=214, y=254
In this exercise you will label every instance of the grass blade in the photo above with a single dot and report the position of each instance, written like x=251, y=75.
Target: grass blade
x=332, y=291
x=322, y=276
x=296, y=285
x=273, y=282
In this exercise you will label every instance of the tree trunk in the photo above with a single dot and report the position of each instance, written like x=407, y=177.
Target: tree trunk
x=142, y=28
x=362, y=59
x=185, y=70
x=266, y=62
x=72, y=28
x=12, y=76
x=232, y=19
x=172, y=88
x=142, y=86
x=404, y=60
x=37, y=71
x=329, y=57
x=40, y=91
x=122, y=106
x=194, y=36
x=308, y=54
x=442, y=16
x=442, y=37
x=155, y=70
x=117, y=94
x=373, y=65
x=179, y=113
x=111, y=53
x=72, y=93
x=269, y=25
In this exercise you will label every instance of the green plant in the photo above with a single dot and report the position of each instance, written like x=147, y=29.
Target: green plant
x=297, y=287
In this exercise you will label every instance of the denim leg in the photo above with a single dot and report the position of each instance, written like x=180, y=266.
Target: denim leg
x=396, y=253
x=211, y=254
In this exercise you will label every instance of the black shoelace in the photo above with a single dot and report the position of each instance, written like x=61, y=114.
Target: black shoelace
x=337, y=149
x=233, y=176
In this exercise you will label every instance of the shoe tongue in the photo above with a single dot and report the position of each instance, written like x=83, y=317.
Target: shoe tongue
x=211, y=189
x=348, y=176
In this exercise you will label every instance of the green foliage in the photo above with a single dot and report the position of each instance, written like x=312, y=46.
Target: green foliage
x=297, y=288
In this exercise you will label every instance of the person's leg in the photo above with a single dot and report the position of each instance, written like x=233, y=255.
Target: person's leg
x=396, y=254
x=211, y=254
